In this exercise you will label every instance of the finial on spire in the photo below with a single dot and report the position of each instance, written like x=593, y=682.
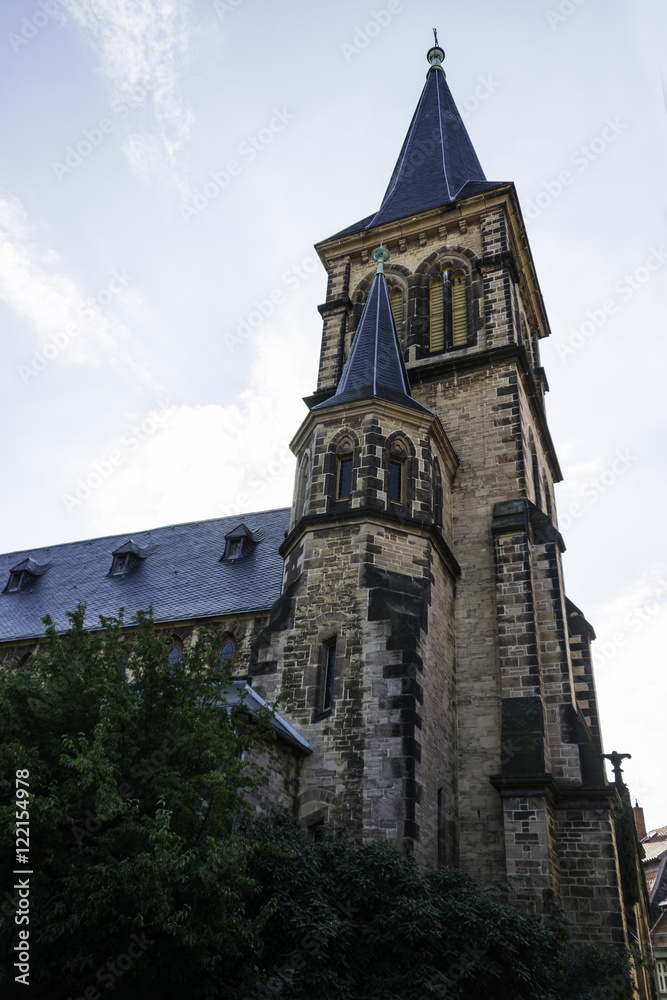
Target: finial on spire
x=436, y=55
x=380, y=256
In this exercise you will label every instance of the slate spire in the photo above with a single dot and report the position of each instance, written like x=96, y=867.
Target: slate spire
x=375, y=366
x=437, y=160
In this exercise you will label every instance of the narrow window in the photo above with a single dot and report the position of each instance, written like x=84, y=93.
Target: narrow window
x=459, y=312
x=396, y=299
x=120, y=564
x=15, y=581
x=395, y=481
x=437, y=494
x=227, y=652
x=316, y=831
x=344, y=488
x=329, y=669
x=234, y=547
x=547, y=496
x=436, y=314
x=302, y=485
x=661, y=969
x=536, y=478
x=175, y=653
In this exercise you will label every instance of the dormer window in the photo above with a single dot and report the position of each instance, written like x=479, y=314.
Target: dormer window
x=24, y=575
x=120, y=564
x=239, y=543
x=234, y=548
x=127, y=557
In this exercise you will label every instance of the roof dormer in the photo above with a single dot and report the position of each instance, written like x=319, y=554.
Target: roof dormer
x=24, y=575
x=240, y=542
x=127, y=558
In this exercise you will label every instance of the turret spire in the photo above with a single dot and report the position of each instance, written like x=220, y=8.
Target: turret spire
x=375, y=366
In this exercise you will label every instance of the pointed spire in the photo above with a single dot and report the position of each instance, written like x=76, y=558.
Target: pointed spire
x=375, y=366
x=437, y=160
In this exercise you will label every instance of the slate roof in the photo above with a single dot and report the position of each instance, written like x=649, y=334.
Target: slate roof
x=437, y=163
x=180, y=574
x=655, y=843
x=375, y=366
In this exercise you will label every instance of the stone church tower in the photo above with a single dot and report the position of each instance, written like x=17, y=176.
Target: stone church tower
x=423, y=642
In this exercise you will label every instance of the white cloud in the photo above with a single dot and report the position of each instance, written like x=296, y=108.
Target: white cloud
x=211, y=460
x=71, y=327
x=144, y=45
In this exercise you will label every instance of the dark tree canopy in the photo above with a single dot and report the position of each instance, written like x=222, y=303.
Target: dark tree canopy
x=150, y=879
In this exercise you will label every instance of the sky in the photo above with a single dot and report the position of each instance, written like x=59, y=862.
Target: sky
x=165, y=169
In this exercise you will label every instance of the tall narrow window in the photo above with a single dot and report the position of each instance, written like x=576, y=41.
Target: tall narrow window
x=437, y=494
x=396, y=481
x=459, y=311
x=436, y=314
x=301, y=488
x=396, y=299
x=344, y=485
x=175, y=653
x=536, y=477
x=329, y=670
x=227, y=652
x=547, y=496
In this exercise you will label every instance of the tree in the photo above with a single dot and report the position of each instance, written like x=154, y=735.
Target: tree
x=365, y=922
x=135, y=772
x=150, y=879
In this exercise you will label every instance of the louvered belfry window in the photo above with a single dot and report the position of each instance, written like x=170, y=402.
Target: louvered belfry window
x=396, y=299
x=437, y=318
x=459, y=312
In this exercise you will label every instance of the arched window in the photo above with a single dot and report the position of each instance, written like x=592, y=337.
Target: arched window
x=547, y=495
x=397, y=472
x=448, y=310
x=536, y=474
x=396, y=299
x=344, y=477
x=300, y=507
x=437, y=494
x=436, y=315
x=227, y=652
x=459, y=310
x=175, y=653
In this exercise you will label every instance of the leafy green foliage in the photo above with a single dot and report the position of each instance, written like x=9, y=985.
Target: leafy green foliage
x=366, y=922
x=135, y=772
x=147, y=883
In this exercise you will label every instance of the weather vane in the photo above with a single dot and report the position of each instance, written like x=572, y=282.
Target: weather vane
x=435, y=35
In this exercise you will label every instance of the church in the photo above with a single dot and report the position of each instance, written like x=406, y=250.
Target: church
x=409, y=608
